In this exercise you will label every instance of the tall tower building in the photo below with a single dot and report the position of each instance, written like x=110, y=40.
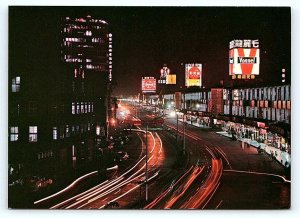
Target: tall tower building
x=87, y=47
x=59, y=86
x=87, y=43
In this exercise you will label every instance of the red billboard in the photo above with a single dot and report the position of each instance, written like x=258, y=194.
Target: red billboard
x=244, y=58
x=148, y=85
x=193, y=74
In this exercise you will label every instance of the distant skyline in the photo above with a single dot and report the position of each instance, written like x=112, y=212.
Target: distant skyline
x=146, y=38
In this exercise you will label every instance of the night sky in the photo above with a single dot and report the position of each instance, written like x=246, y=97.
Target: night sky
x=146, y=38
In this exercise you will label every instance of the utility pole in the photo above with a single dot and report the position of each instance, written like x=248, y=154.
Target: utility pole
x=184, y=134
x=184, y=116
x=146, y=183
x=177, y=131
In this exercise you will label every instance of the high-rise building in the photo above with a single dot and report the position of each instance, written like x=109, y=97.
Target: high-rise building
x=87, y=43
x=58, y=91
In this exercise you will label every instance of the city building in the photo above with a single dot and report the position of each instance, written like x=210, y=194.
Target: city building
x=58, y=99
x=258, y=113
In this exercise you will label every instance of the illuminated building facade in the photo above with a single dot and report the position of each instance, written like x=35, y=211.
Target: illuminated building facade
x=57, y=97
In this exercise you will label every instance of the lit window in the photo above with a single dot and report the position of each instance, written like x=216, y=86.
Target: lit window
x=32, y=133
x=85, y=108
x=16, y=84
x=67, y=131
x=73, y=108
x=98, y=130
x=82, y=107
x=54, y=133
x=92, y=107
x=78, y=108
x=14, y=133
x=89, y=108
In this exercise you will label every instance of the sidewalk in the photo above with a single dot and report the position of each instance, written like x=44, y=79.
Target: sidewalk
x=281, y=156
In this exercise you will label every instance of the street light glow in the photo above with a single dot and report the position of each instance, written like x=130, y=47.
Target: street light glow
x=172, y=114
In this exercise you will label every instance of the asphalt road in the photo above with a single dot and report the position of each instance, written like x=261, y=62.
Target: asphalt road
x=246, y=182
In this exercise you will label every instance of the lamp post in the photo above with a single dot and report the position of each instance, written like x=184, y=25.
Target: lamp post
x=177, y=131
x=146, y=182
x=183, y=133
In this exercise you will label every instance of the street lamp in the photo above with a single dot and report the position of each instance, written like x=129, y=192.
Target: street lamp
x=184, y=117
x=146, y=176
x=146, y=182
x=177, y=131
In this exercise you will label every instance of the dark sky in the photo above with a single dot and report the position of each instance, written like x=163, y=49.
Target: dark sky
x=145, y=38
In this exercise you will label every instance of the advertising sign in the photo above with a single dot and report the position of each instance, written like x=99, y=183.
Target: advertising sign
x=164, y=72
x=244, y=59
x=148, y=85
x=171, y=79
x=193, y=75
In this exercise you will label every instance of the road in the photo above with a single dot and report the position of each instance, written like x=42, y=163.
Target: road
x=212, y=172
x=249, y=180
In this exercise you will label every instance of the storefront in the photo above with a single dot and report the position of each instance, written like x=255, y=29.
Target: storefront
x=198, y=118
x=259, y=132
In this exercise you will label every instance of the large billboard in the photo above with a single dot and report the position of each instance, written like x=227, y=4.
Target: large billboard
x=148, y=85
x=244, y=58
x=193, y=75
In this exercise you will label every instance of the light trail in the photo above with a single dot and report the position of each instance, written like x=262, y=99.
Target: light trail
x=160, y=142
x=116, y=185
x=223, y=155
x=67, y=188
x=259, y=173
x=130, y=190
x=207, y=189
x=89, y=195
x=123, y=183
x=217, y=207
x=197, y=171
x=215, y=189
x=76, y=196
x=92, y=190
x=159, y=198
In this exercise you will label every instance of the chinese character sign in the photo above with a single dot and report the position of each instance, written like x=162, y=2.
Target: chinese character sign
x=244, y=57
x=193, y=75
x=148, y=84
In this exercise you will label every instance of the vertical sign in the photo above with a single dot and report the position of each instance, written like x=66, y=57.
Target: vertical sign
x=193, y=75
x=164, y=72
